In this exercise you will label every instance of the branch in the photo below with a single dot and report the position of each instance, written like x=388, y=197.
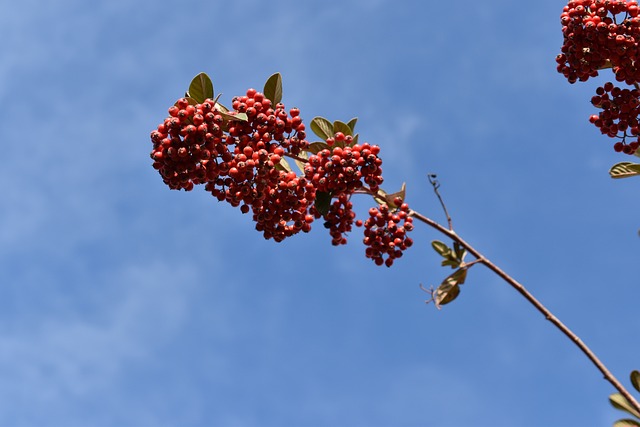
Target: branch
x=537, y=304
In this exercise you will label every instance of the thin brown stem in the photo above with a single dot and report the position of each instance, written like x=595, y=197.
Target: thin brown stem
x=436, y=185
x=537, y=304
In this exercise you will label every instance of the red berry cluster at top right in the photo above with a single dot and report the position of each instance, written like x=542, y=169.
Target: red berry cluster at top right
x=605, y=34
x=600, y=34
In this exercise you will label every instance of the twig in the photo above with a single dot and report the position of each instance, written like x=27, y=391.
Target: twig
x=537, y=304
x=436, y=185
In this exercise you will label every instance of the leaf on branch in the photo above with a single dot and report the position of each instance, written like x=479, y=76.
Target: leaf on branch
x=445, y=294
x=322, y=127
x=441, y=248
x=283, y=165
x=449, y=289
x=391, y=197
x=459, y=251
x=618, y=401
x=316, y=147
x=300, y=164
x=273, y=89
x=626, y=423
x=323, y=202
x=201, y=88
x=635, y=380
x=239, y=117
x=624, y=170
x=352, y=124
x=339, y=126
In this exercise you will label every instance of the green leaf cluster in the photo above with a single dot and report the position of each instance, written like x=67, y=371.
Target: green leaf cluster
x=618, y=401
x=452, y=257
x=325, y=129
x=449, y=289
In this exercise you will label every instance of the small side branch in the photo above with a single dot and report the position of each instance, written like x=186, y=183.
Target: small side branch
x=436, y=185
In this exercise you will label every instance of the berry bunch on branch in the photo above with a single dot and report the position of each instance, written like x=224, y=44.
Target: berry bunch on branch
x=599, y=35
x=240, y=155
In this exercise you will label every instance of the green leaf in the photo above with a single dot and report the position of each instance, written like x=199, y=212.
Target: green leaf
x=635, y=380
x=626, y=423
x=273, y=89
x=239, y=117
x=453, y=263
x=449, y=289
x=446, y=293
x=201, y=88
x=339, y=126
x=323, y=202
x=390, y=197
x=618, y=401
x=458, y=277
x=355, y=139
x=283, y=165
x=459, y=251
x=316, y=147
x=300, y=164
x=352, y=124
x=322, y=127
x=441, y=248
x=624, y=170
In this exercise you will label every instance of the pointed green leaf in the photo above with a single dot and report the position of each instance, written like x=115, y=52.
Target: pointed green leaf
x=446, y=293
x=390, y=197
x=301, y=164
x=352, y=124
x=460, y=252
x=635, y=380
x=450, y=263
x=339, y=126
x=316, y=147
x=283, y=165
x=355, y=139
x=322, y=127
x=624, y=170
x=239, y=117
x=449, y=289
x=626, y=423
x=323, y=201
x=201, y=88
x=441, y=248
x=381, y=197
x=458, y=277
x=618, y=401
x=273, y=89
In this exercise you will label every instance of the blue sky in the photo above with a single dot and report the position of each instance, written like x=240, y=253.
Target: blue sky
x=125, y=304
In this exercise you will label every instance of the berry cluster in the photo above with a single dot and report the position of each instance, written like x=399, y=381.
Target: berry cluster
x=239, y=156
x=619, y=115
x=185, y=144
x=339, y=219
x=600, y=34
x=385, y=232
x=343, y=170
